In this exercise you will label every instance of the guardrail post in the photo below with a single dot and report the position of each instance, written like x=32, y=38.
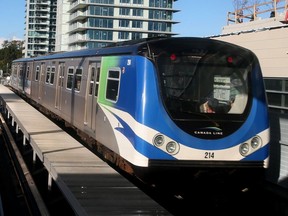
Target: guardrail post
x=50, y=182
x=24, y=140
x=34, y=157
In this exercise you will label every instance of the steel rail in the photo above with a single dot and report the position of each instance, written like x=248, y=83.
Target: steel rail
x=32, y=197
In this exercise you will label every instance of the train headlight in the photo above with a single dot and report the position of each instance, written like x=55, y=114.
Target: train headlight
x=256, y=142
x=172, y=147
x=158, y=140
x=244, y=149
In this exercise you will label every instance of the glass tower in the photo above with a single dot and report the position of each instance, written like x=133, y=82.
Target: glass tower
x=40, y=27
x=65, y=25
x=96, y=23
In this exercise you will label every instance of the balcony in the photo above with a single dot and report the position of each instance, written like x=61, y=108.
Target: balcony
x=77, y=38
x=80, y=4
x=78, y=16
x=42, y=2
x=42, y=29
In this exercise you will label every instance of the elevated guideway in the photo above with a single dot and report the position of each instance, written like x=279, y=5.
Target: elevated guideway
x=89, y=184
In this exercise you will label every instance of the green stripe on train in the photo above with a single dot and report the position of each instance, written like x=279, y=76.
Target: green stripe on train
x=106, y=64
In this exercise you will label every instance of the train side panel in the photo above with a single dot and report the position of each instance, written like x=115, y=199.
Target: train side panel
x=113, y=71
x=51, y=91
x=122, y=117
x=62, y=87
x=72, y=92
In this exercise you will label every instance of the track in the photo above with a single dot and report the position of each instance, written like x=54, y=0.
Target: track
x=23, y=191
x=18, y=178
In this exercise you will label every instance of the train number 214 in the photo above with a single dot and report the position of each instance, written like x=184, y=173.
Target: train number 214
x=209, y=155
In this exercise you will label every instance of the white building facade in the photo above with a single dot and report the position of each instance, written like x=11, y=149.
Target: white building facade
x=40, y=27
x=65, y=25
x=96, y=23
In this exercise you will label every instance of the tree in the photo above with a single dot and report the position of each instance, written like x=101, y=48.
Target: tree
x=239, y=4
x=10, y=51
x=246, y=9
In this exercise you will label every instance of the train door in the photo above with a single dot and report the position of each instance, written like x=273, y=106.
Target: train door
x=21, y=76
x=41, y=81
x=27, y=81
x=59, y=85
x=91, y=95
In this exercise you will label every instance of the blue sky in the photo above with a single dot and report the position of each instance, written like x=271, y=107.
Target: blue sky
x=201, y=18
x=197, y=18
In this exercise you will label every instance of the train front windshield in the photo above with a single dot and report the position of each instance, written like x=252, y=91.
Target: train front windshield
x=205, y=88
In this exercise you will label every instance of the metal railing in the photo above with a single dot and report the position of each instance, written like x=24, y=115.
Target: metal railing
x=262, y=10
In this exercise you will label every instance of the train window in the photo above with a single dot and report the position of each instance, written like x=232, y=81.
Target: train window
x=70, y=78
x=93, y=71
x=37, y=73
x=52, y=75
x=113, y=81
x=14, y=73
x=27, y=72
x=204, y=82
x=77, y=80
x=74, y=82
x=47, y=75
x=97, y=81
x=20, y=71
x=20, y=76
x=95, y=74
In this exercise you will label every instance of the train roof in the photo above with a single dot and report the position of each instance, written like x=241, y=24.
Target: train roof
x=119, y=48
x=131, y=47
x=79, y=53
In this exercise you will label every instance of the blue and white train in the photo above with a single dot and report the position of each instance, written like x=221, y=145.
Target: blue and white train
x=158, y=102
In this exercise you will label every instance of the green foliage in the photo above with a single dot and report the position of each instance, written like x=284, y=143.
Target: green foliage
x=10, y=51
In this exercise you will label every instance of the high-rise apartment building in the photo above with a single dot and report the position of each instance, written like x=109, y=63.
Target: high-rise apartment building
x=40, y=27
x=84, y=24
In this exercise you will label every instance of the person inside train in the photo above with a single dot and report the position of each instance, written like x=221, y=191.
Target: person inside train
x=226, y=90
